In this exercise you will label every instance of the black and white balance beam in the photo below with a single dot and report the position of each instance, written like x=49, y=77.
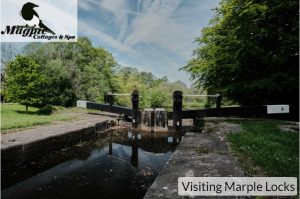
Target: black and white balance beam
x=104, y=107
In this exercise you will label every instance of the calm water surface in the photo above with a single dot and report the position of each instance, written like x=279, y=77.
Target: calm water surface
x=115, y=164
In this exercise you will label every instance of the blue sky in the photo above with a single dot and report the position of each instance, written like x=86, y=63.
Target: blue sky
x=152, y=35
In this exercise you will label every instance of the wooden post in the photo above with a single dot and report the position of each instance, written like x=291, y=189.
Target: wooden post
x=218, y=101
x=108, y=99
x=135, y=107
x=177, y=108
x=152, y=123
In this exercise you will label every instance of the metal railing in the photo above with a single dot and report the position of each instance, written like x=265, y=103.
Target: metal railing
x=119, y=94
x=216, y=95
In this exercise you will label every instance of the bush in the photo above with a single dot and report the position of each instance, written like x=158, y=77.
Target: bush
x=157, y=98
x=46, y=110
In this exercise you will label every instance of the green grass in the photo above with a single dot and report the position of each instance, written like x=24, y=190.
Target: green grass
x=13, y=116
x=263, y=144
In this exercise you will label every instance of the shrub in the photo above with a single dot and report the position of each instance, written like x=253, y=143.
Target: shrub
x=46, y=110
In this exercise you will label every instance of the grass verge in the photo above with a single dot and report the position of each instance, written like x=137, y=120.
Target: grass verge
x=13, y=116
x=262, y=144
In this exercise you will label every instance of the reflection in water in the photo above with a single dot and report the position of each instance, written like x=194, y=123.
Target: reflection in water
x=148, y=118
x=114, y=165
x=134, y=151
x=154, y=119
x=110, y=146
x=161, y=118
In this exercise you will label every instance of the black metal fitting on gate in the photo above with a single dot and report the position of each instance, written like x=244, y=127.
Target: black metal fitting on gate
x=177, y=108
x=135, y=107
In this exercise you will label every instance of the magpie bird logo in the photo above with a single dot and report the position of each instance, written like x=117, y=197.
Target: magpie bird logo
x=33, y=28
x=32, y=18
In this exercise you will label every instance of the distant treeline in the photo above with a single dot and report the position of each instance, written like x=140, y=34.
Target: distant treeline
x=61, y=73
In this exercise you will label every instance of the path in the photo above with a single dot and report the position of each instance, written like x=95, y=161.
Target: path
x=203, y=154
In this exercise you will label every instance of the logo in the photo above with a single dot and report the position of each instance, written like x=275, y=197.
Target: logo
x=32, y=18
x=40, y=25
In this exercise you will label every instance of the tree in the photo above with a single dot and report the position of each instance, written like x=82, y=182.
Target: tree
x=153, y=91
x=74, y=70
x=157, y=97
x=59, y=88
x=24, y=82
x=249, y=52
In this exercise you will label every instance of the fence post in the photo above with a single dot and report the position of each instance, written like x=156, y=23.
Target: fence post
x=177, y=108
x=218, y=101
x=135, y=107
x=108, y=99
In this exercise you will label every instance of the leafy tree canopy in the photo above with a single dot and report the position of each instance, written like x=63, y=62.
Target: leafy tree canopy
x=74, y=70
x=249, y=52
x=24, y=82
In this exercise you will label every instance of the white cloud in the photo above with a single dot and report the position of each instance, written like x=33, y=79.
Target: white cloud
x=119, y=10
x=107, y=40
x=84, y=5
x=156, y=15
x=159, y=25
x=154, y=35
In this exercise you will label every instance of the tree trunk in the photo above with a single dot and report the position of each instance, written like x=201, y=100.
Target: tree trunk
x=26, y=109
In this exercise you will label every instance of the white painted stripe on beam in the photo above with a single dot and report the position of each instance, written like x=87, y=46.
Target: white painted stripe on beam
x=81, y=103
x=275, y=109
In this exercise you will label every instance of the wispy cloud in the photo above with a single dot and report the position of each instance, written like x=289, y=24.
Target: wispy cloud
x=145, y=28
x=132, y=55
x=119, y=9
x=154, y=35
